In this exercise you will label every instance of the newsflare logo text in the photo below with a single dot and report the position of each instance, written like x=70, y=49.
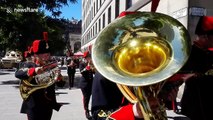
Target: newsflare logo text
x=17, y=10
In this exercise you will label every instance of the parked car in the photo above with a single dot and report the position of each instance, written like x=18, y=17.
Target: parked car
x=11, y=59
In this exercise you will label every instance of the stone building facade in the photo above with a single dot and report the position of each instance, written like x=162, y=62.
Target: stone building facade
x=97, y=14
x=74, y=35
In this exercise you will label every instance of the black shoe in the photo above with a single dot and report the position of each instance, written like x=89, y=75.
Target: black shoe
x=88, y=116
x=57, y=106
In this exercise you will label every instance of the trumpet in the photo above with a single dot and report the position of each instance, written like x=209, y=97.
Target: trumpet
x=139, y=52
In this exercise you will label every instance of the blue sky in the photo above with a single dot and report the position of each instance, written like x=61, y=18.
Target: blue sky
x=73, y=10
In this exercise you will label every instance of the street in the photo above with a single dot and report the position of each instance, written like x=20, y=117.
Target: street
x=72, y=108
x=11, y=100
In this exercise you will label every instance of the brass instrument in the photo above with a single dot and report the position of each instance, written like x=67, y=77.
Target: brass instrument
x=50, y=76
x=140, y=52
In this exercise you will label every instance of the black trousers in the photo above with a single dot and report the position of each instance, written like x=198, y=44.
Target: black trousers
x=71, y=77
x=37, y=114
x=86, y=91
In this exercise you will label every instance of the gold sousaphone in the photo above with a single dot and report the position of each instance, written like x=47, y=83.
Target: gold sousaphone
x=140, y=52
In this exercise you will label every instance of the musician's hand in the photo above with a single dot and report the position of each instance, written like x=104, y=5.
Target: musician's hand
x=137, y=110
x=187, y=76
x=39, y=70
x=58, y=71
x=87, y=67
x=153, y=102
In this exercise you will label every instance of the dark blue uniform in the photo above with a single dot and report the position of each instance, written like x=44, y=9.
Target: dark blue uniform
x=86, y=85
x=71, y=70
x=105, y=97
x=40, y=103
x=196, y=102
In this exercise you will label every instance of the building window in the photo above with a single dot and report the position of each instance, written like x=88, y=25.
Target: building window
x=96, y=5
x=99, y=27
x=96, y=28
x=128, y=4
x=93, y=31
x=109, y=15
x=92, y=12
x=103, y=24
x=117, y=2
x=94, y=8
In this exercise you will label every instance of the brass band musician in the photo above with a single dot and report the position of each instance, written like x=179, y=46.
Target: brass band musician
x=87, y=72
x=39, y=99
x=107, y=100
x=196, y=102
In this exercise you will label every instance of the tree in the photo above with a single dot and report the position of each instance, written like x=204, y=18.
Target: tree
x=51, y=5
x=19, y=29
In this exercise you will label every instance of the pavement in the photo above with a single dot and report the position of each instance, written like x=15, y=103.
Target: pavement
x=10, y=99
x=72, y=109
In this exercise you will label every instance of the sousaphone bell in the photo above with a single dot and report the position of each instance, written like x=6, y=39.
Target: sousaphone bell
x=140, y=52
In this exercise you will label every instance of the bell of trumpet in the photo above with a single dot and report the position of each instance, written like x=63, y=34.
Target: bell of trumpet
x=140, y=52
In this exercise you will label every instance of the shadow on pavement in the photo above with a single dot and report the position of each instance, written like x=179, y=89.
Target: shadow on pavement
x=9, y=82
x=1, y=73
x=179, y=118
x=57, y=93
x=64, y=103
x=16, y=83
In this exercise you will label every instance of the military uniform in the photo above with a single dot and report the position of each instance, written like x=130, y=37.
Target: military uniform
x=71, y=70
x=196, y=102
x=106, y=98
x=40, y=103
x=86, y=84
x=108, y=103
